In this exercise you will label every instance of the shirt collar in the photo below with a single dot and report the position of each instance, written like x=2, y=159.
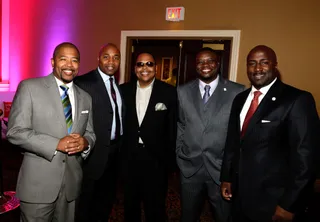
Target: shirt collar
x=104, y=76
x=148, y=86
x=264, y=89
x=212, y=84
x=69, y=85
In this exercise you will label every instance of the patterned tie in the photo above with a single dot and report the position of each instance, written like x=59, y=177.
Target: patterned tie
x=114, y=97
x=206, y=95
x=66, y=107
x=253, y=106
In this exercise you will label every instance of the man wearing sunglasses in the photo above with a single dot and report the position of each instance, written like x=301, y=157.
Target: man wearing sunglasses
x=204, y=108
x=100, y=169
x=149, y=141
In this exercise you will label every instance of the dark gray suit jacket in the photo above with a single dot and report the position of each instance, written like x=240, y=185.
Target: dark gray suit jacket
x=202, y=129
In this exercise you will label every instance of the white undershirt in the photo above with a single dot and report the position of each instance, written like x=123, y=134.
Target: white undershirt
x=142, y=100
x=246, y=105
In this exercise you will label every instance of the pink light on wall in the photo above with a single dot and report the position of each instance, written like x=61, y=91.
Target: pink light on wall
x=4, y=85
x=59, y=28
x=36, y=27
x=20, y=31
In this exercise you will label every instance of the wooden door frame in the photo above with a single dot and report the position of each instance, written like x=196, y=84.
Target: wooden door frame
x=234, y=35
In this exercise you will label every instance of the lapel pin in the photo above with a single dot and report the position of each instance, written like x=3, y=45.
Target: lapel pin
x=224, y=89
x=274, y=98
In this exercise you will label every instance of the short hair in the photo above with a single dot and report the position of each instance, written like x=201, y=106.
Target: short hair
x=148, y=54
x=266, y=49
x=108, y=44
x=207, y=49
x=61, y=45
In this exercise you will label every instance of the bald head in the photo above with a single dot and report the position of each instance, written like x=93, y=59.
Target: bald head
x=267, y=50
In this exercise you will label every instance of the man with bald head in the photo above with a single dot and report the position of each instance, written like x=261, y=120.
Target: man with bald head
x=51, y=120
x=149, y=141
x=270, y=156
x=100, y=169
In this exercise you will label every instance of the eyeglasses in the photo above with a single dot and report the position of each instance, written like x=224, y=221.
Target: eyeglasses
x=141, y=64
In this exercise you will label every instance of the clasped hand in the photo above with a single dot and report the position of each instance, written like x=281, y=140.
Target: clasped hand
x=73, y=143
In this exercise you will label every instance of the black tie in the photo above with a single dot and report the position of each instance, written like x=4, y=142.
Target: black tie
x=114, y=97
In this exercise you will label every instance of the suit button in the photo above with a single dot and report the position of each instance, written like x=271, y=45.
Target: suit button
x=63, y=161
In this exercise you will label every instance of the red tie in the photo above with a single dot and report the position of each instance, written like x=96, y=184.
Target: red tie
x=253, y=106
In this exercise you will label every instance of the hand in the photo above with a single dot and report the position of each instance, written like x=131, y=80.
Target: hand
x=80, y=144
x=73, y=143
x=226, y=190
x=281, y=215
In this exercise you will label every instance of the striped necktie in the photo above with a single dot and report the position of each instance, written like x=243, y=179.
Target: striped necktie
x=66, y=107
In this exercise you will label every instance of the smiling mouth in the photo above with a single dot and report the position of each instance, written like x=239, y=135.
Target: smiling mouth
x=68, y=71
x=258, y=76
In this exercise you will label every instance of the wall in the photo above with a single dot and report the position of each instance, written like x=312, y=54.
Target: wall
x=290, y=27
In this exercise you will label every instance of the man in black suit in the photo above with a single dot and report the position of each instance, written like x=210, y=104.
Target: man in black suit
x=149, y=141
x=269, y=164
x=100, y=168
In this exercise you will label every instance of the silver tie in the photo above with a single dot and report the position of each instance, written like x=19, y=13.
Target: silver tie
x=206, y=95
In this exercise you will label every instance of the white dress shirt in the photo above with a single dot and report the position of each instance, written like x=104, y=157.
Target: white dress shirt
x=106, y=80
x=247, y=104
x=213, y=85
x=142, y=100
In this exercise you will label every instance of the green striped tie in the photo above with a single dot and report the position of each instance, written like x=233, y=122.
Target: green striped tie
x=66, y=107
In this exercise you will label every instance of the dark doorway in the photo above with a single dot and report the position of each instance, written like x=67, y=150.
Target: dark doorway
x=177, y=54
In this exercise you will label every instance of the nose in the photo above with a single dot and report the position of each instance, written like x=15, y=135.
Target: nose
x=258, y=67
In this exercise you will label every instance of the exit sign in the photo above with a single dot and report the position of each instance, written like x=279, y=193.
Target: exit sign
x=175, y=14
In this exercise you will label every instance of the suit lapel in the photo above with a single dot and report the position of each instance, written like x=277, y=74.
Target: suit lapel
x=195, y=95
x=77, y=108
x=268, y=103
x=154, y=98
x=52, y=86
x=216, y=100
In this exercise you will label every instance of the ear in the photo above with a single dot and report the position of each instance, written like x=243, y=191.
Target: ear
x=52, y=62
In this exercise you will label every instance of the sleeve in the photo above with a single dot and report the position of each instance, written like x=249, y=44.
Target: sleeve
x=303, y=134
x=20, y=129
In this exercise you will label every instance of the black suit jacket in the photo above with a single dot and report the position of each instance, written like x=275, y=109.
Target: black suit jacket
x=275, y=162
x=158, y=128
x=93, y=84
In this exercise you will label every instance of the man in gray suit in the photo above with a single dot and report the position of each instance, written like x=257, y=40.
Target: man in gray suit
x=51, y=119
x=204, y=108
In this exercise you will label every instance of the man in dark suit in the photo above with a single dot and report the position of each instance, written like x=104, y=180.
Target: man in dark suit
x=269, y=164
x=149, y=141
x=204, y=108
x=51, y=119
x=100, y=169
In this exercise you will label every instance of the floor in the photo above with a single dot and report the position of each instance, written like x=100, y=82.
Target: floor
x=11, y=159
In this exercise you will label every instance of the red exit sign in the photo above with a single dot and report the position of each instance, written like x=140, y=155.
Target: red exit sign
x=175, y=13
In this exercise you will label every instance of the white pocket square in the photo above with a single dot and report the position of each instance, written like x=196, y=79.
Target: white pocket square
x=265, y=121
x=85, y=111
x=160, y=107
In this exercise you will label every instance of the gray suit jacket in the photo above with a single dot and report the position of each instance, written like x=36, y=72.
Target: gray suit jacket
x=202, y=129
x=37, y=123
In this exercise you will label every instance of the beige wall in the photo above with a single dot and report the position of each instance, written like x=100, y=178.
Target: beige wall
x=290, y=27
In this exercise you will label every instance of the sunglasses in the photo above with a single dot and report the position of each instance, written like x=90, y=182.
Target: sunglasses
x=141, y=64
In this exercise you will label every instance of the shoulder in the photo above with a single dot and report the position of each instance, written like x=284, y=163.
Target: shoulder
x=234, y=86
x=165, y=86
x=83, y=93
x=127, y=85
x=189, y=85
x=85, y=77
